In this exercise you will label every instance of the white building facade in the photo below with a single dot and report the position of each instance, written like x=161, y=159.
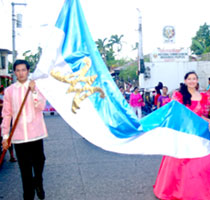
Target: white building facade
x=171, y=74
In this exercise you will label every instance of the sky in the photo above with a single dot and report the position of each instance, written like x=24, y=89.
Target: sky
x=106, y=18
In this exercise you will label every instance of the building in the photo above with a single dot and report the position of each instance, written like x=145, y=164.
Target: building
x=171, y=74
x=5, y=76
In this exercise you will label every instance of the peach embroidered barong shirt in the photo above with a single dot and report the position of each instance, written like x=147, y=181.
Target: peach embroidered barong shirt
x=31, y=125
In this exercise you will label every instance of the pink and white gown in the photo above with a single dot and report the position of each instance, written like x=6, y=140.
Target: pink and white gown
x=185, y=179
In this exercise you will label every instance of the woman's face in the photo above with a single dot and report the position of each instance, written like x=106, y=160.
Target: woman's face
x=136, y=90
x=191, y=81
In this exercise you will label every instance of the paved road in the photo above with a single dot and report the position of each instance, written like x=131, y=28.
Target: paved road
x=78, y=170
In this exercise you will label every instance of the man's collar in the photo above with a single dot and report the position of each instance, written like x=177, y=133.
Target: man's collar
x=19, y=84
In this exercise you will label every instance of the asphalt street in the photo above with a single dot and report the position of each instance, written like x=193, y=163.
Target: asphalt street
x=77, y=170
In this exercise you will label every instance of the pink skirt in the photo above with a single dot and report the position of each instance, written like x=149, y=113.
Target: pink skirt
x=183, y=179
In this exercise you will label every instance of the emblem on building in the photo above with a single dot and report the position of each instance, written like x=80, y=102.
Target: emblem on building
x=169, y=34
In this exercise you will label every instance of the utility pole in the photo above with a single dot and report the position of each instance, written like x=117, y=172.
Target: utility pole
x=13, y=32
x=141, y=67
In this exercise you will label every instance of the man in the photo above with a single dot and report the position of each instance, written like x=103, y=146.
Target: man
x=30, y=131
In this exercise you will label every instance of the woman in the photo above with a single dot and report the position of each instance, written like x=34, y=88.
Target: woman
x=164, y=98
x=136, y=102
x=186, y=179
x=157, y=95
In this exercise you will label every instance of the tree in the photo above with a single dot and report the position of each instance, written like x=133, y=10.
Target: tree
x=100, y=43
x=129, y=73
x=107, y=49
x=32, y=59
x=201, y=42
x=115, y=40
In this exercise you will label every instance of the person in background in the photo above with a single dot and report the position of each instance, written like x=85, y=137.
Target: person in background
x=186, y=179
x=153, y=99
x=30, y=130
x=136, y=101
x=12, y=157
x=1, y=105
x=164, y=98
x=122, y=90
x=160, y=85
x=208, y=87
x=127, y=93
x=157, y=94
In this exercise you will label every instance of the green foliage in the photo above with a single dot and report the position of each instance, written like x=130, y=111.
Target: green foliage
x=115, y=40
x=130, y=73
x=102, y=47
x=201, y=42
x=121, y=62
x=10, y=67
x=109, y=48
x=33, y=59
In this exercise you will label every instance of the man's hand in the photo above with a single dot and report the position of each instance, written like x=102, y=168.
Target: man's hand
x=5, y=144
x=32, y=85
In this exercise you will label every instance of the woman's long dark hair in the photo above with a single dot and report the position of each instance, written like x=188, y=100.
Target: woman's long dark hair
x=157, y=88
x=184, y=91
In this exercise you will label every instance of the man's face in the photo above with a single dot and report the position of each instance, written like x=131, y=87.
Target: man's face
x=21, y=73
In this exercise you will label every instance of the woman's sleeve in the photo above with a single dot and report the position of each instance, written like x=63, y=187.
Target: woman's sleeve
x=177, y=96
x=205, y=104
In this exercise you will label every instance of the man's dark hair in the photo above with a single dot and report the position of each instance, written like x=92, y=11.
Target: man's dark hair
x=19, y=62
x=209, y=78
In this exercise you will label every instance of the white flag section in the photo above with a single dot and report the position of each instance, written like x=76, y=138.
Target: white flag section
x=73, y=77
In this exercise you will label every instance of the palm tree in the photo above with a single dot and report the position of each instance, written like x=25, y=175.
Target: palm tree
x=115, y=39
x=102, y=47
x=32, y=58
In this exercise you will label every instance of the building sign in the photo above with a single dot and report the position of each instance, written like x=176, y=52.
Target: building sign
x=170, y=55
x=169, y=34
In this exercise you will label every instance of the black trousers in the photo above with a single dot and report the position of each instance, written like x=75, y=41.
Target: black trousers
x=31, y=161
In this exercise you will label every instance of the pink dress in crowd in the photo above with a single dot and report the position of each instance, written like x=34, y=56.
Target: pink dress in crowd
x=185, y=179
x=134, y=100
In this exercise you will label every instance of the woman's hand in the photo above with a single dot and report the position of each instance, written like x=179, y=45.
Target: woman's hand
x=207, y=119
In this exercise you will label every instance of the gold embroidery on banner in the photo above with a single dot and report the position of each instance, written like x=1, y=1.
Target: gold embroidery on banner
x=80, y=93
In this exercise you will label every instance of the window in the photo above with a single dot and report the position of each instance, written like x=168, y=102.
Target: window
x=3, y=62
